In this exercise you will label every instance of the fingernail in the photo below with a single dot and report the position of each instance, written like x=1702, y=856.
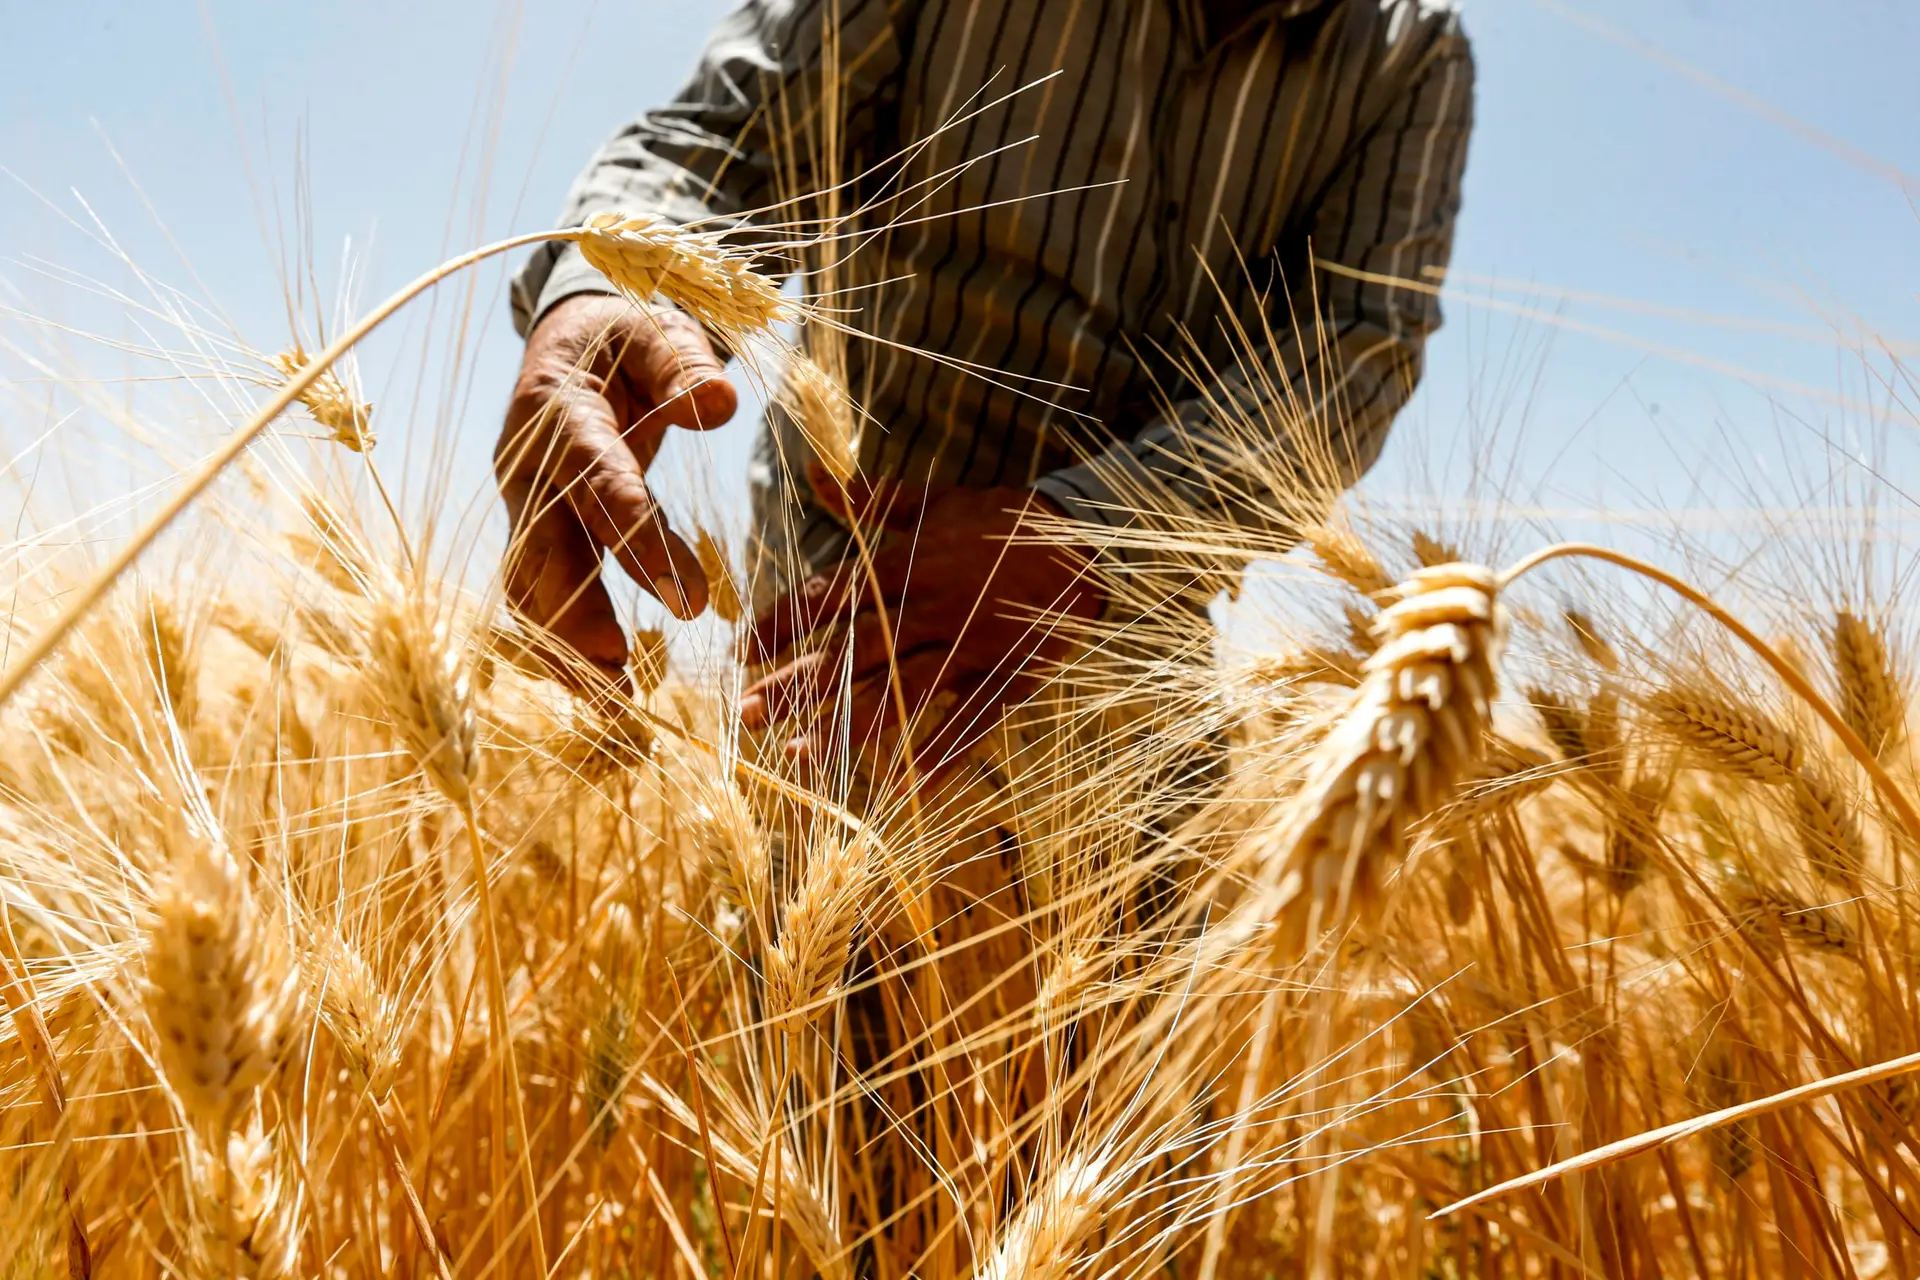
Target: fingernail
x=753, y=710
x=671, y=595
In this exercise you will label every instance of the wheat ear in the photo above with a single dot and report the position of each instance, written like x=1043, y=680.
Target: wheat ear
x=249, y=1223
x=1829, y=835
x=364, y=1020
x=1872, y=698
x=1429, y=551
x=1343, y=555
x=816, y=929
x=820, y=406
x=723, y=593
x=219, y=989
x=1047, y=1236
x=697, y=271
x=332, y=405
x=1731, y=737
x=1417, y=727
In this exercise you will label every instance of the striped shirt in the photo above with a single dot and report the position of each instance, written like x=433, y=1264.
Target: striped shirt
x=1210, y=161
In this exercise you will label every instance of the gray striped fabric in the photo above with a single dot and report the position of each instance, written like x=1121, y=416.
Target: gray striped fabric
x=1204, y=155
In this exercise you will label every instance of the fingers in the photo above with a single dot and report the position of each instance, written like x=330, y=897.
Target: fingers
x=799, y=613
x=553, y=581
x=599, y=385
x=678, y=380
x=571, y=449
x=797, y=688
x=872, y=706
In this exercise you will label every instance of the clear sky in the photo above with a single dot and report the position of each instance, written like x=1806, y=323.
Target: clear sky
x=1681, y=211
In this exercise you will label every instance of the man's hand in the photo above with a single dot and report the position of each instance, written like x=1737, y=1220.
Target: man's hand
x=972, y=614
x=600, y=383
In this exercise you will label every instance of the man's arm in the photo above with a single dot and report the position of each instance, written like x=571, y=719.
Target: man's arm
x=1346, y=349
x=602, y=379
x=739, y=136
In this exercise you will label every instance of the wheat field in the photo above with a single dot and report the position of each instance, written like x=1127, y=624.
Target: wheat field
x=348, y=932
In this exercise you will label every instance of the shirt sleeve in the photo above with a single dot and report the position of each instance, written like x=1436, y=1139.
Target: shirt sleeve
x=1342, y=353
x=737, y=138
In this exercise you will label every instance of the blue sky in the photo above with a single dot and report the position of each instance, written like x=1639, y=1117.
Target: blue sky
x=1737, y=161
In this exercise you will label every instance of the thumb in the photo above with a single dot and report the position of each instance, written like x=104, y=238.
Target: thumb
x=669, y=360
x=896, y=505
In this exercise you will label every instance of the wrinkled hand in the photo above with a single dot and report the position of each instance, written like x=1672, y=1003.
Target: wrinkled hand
x=600, y=383
x=972, y=614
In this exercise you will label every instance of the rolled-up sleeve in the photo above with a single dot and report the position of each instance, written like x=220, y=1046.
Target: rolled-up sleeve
x=739, y=137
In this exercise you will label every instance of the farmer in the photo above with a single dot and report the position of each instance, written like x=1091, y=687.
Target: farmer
x=1099, y=181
